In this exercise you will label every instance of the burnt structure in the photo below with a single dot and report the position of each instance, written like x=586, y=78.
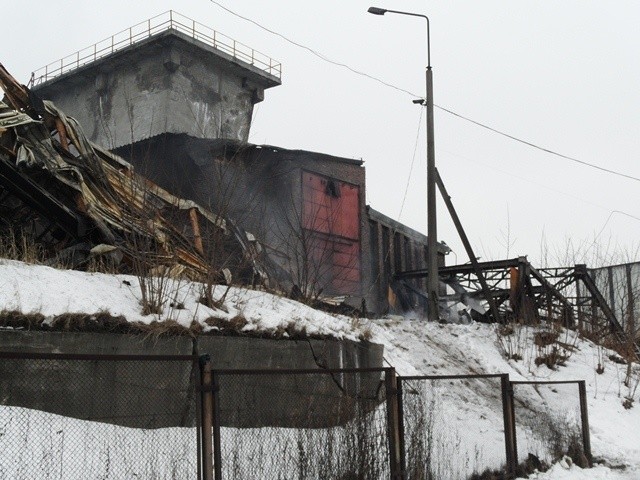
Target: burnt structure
x=308, y=211
x=176, y=102
x=597, y=302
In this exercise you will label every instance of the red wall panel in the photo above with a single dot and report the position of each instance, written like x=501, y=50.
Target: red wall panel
x=331, y=210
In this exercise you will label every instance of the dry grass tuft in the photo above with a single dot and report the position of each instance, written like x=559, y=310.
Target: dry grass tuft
x=105, y=322
x=25, y=321
x=169, y=328
x=232, y=326
x=81, y=322
x=101, y=322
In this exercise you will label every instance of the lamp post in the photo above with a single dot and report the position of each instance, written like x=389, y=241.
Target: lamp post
x=432, y=226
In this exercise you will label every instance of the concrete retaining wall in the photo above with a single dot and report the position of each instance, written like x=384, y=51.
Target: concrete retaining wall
x=157, y=394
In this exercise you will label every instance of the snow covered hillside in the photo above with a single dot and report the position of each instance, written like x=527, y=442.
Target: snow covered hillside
x=412, y=346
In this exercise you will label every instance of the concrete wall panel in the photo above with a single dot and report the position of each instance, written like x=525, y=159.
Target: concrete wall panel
x=157, y=394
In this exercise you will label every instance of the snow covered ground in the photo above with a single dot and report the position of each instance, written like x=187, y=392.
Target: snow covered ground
x=412, y=346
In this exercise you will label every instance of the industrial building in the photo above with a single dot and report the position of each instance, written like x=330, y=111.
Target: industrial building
x=176, y=98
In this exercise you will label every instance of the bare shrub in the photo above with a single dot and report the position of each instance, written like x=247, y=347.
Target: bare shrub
x=513, y=340
x=20, y=245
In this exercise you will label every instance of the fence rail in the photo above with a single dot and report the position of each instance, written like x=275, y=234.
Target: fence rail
x=166, y=21
x=157, y=416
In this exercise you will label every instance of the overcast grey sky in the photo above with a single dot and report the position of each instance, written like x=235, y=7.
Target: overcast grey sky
x=564, y=75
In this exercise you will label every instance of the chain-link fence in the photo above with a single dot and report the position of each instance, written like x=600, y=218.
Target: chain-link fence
x=551, y=421
x=98, y=417
x=114, y=417
x=453, y=426
x=301, y=424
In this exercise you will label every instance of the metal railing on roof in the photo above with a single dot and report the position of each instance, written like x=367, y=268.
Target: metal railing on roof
x=170, y=20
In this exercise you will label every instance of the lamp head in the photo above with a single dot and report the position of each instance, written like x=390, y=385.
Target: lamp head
x=377, y=11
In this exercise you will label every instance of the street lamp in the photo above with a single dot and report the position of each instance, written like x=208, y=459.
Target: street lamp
x=432, y=225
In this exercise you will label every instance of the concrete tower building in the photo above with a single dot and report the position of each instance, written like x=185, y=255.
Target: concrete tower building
x=170, y=75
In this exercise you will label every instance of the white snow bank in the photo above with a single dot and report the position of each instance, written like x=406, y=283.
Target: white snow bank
x=51, y=292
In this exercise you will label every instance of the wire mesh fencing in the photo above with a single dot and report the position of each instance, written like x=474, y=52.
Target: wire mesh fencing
x=551, y=422
x=453, y=427
x=81, y=417
x=113, y=417
x=301, y=424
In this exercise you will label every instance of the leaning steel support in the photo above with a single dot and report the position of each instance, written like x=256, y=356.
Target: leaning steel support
x=467, y=246
x=581, y=273
x=550, y=288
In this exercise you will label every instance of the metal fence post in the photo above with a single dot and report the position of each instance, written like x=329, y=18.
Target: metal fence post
x=509, y=425
x=217, y=452
x=393, y=427
x=207, y=413
x=403, y=459
x=584, y=415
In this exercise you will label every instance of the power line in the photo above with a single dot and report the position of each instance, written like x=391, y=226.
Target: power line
x=581, y=162
x=314, y=52
x=451, y=112
x=413, y=159
x=595, y=239
x=541, y=185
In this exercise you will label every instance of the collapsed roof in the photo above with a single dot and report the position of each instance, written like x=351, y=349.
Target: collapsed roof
x=80, y=201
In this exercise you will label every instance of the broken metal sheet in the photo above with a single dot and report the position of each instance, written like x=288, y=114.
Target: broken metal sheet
x=53, y=158
x=10, y=118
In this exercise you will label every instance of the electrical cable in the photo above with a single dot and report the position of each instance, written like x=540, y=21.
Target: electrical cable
x=446, y=110
x=413, y=159
x=546, y=150
x=314, y=52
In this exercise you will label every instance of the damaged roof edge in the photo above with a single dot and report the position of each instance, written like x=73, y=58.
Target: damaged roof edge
x=377, y=216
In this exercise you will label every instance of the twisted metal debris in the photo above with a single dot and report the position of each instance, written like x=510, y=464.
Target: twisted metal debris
x=73, y=195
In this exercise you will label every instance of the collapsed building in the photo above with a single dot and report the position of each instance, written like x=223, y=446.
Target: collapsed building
x=165, y=165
